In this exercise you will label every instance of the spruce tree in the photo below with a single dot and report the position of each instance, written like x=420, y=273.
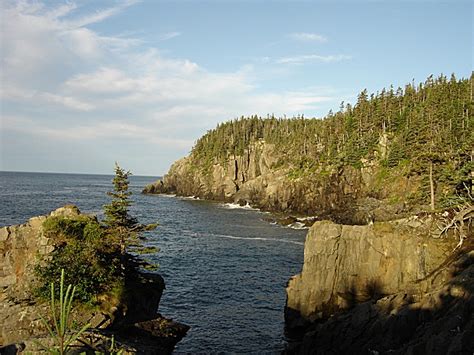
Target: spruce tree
x=116, y=213
x=118, y=220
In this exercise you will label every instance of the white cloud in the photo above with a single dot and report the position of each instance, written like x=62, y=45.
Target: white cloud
x=82, y=42
x=99, y=15
x=69, y=102
x=65, y=81
x=168, y=36
x=104, y=80
x=61, y=10
x=21, y=96
x=307, y=37
x=90, y=132
x=95, y=77
x=301, y=59
x=37, y=40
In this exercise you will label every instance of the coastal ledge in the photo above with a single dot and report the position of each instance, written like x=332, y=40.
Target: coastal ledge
x=134, y=323
x=388, y=287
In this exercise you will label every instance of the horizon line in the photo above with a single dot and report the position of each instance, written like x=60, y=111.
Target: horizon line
x=69, y=173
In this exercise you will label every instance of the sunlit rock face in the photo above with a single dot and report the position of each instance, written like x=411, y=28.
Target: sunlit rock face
x=387, y=286
x=258, y=178
x=21, y=247
x=344, y=263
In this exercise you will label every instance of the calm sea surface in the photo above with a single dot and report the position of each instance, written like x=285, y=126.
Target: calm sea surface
x=225, y=268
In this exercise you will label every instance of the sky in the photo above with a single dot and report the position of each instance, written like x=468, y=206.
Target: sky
x=86, y=83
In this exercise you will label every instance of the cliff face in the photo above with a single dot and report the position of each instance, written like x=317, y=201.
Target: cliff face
x=346, y=194
x=366, y=162
x=384, y=287
x=24, y=246
x=21, y=247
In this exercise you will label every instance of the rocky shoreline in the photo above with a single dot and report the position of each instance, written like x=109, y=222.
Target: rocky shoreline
x=393, y=287
x=134, y=323
x=345, y=195
x=384, y=287
x=388, y=259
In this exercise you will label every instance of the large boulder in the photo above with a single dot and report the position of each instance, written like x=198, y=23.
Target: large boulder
x=440, y=321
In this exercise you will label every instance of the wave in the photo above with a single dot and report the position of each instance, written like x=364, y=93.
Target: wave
x=305, y=219
x=194, y=198
x=297, y=225
x=233, y=206
x=257, y=238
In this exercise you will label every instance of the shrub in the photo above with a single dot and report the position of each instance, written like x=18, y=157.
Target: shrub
x=86, y=253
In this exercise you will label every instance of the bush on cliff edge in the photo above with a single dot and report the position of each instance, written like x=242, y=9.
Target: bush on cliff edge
x=86, y=252
x=93, y=254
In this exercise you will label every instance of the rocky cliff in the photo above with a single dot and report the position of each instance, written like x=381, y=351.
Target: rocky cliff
x=344, y=194
x=389, y=155
x=20, y=248
x=24, y=246
x=388, y=287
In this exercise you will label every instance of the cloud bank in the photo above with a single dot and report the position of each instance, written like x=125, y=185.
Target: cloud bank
x=63, y=80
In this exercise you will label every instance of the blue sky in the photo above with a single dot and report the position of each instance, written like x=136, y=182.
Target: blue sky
x=88, y=83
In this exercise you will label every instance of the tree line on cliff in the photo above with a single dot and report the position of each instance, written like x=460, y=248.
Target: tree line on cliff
x=424, y=130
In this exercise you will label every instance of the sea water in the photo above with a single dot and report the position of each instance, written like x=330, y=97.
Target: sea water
x=225, y=267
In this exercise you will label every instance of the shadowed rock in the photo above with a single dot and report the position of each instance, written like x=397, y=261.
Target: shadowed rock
x=386, y=288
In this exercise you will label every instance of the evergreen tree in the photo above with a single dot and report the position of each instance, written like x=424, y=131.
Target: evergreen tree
x=116, y=213
x=117, y=217
x=426, y=131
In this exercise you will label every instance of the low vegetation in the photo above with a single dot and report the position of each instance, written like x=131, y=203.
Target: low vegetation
x=60, y=331
x=93, y=254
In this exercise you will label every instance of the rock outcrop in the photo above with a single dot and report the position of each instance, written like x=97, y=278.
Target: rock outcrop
x=22, y=246
x=389, y=287
x=346, y=195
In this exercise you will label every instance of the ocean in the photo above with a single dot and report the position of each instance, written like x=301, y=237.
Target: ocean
x=225, y=267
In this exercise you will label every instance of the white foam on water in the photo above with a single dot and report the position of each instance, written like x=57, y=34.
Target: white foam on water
x=233, y=206
x=297, y=225
x=257, y=238
x=193, y=198
x=304, y=219
x=168, y=195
